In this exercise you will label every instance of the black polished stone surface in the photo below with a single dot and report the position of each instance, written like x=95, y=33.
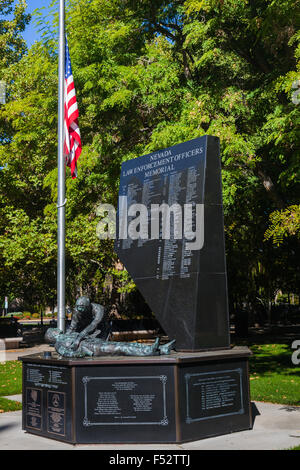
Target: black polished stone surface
x=47, y=399
x=125, y=404
x=176, y=398
x=185, y=289
x=214, y=399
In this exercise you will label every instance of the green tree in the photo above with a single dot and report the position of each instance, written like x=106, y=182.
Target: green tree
x=12, y=24
x=13, y=20
x=150, y=74
x=189, y=68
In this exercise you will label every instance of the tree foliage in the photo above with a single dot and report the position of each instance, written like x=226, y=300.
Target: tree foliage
x=150, y=74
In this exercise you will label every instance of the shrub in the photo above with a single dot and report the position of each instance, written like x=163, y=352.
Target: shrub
x=13, y=314
x=26, y=315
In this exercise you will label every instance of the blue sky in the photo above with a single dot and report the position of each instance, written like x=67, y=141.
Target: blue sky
x=31, y=34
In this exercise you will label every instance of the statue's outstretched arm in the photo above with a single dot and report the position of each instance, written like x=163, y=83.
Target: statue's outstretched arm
x=98, y=312
x=74, y=321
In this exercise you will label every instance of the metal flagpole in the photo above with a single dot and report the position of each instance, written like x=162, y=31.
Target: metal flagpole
x=61, y=196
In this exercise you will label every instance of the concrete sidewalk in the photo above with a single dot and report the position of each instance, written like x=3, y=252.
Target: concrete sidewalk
x=13, y=354
x=276, y=427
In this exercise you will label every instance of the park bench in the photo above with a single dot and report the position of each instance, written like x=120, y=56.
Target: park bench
x=10, y=333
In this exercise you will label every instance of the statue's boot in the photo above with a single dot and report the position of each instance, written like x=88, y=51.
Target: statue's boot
x=166, y=348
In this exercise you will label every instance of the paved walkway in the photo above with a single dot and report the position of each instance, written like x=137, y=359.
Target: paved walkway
x=13, y=354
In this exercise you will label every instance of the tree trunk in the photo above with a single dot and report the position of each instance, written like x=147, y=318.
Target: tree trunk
x=270, y=188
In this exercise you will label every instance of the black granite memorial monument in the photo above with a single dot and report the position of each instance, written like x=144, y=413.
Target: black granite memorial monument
x=185, y=288
x=201, y=389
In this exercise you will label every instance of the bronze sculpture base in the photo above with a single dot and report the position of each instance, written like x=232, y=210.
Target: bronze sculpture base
x=157, y=399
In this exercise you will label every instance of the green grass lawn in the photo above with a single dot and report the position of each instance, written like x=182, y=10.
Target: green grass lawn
x=273, y=377
x=10, y=384
x=9, y=405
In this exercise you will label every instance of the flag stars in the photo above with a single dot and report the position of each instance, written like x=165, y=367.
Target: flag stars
x=68, y=70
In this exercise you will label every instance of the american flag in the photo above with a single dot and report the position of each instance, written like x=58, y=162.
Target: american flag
x=72, y=143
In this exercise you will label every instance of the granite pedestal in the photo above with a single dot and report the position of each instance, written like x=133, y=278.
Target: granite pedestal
x=165, y=399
